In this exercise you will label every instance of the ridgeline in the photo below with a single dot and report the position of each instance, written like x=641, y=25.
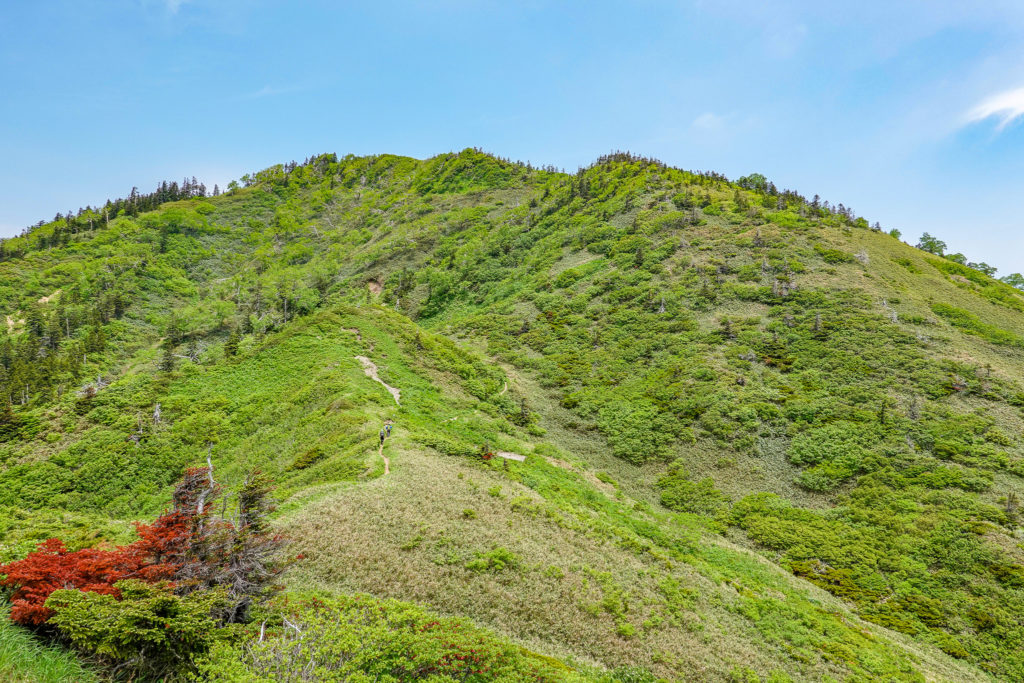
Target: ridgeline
x=764, y=440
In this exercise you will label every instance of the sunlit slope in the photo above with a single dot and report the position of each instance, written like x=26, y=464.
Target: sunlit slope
x=548, y=551
x=749, y=365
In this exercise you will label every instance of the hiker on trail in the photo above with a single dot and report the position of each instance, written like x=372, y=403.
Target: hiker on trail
x=387, y=428
x=382, y=437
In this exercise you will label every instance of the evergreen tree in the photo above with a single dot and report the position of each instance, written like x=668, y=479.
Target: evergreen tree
x=9, y=422
x=231, y=345
x=167, y=359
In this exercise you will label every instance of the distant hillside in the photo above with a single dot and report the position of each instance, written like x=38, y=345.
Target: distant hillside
x=762, y=440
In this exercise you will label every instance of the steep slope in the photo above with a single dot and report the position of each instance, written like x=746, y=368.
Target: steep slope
x=541, y=550
x=695, y=370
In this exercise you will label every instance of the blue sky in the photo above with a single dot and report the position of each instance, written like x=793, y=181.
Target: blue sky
x=910, y=112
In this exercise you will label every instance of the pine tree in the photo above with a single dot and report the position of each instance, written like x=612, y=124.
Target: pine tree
x=231, y=345
x=9, y=422
x=167, y=359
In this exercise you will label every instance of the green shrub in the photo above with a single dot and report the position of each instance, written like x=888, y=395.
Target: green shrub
x=149, y=630
x=638, y=432
x=972, y=324
x=360, y=638
x=844, y=446
x=833, y=255
x=906, y=263
x=496, y=560
x=680, y=493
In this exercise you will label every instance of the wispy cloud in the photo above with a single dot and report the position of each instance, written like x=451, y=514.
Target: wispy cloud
x=271, y=91
x=709, y=121
x=1007, y=106
x=174, y=5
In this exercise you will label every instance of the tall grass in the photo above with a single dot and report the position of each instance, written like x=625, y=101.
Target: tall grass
x=24, y=659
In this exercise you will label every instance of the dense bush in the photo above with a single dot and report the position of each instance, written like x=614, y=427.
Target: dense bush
x=356, y=638
x=971, y=324
x=147, y=628
x=680, y=493
x=156, y=555
x=830, y=255
x=118, y=603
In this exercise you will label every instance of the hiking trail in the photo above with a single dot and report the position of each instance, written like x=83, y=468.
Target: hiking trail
x=370, y=368
x=387, y=462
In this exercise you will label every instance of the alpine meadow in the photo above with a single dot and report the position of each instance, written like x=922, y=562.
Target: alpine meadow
x=464, y=419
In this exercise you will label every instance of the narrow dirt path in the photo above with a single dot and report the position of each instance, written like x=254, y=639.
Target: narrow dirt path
x=503, y=389
x=387, y=463
x=370, y=368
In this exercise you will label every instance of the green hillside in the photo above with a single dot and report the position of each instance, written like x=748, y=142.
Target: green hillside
x=762, y=440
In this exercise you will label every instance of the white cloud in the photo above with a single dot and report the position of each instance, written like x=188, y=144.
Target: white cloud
x=271, y=91
x=709, y=121
x=1007, y=106
x=785, y=41
x=266, y=91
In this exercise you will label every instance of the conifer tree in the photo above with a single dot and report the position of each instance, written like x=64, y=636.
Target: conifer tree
x=231, y=345
x=167, y=359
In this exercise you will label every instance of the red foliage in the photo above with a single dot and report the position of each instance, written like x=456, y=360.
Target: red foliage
x=157, y=555
x=52, y=567
x=162, y=545
x=187, y=546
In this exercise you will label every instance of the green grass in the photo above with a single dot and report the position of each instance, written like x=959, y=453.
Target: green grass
x=690, y=368
x=971, y=324
x=27, y=659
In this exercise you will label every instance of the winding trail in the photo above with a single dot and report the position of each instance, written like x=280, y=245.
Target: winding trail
x=370, y=368
x=503, y=389
x=387, y=463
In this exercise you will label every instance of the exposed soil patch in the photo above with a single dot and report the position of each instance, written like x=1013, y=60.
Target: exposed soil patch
x=370, y=368
x=48, y=299
x=510, y=456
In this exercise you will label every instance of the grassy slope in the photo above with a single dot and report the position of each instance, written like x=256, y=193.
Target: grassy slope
x=485, y=261
x=599, y=578
x=24, y=659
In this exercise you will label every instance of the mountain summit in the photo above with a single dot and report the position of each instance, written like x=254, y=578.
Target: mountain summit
x=628, y=424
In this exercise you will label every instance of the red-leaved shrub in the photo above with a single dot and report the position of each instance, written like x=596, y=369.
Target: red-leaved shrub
x=186, y=546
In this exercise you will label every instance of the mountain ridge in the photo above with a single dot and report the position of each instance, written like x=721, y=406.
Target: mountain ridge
x=711, y=359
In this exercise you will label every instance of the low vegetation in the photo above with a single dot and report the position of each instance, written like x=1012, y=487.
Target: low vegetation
x=762, y=439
